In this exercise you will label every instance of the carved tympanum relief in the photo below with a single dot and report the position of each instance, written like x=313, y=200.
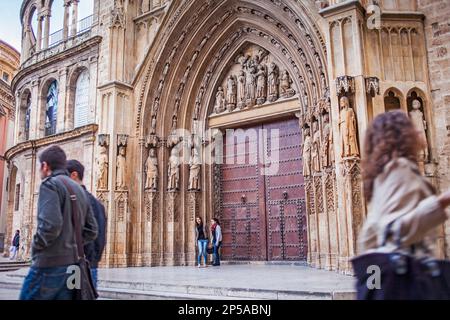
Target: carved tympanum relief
x=253, y=80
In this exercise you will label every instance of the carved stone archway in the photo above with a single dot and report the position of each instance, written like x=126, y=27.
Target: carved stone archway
x=202, y=41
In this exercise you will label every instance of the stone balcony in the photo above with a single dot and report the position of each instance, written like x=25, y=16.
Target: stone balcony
x=58, y=44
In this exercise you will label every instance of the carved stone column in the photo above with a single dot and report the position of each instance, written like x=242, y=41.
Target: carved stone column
x=46, y=31
x=39, y=33
x=354, y=200
x=101, y=185
x=121, y=215
x=66, y=20
x=151, y=220
x=73, y=32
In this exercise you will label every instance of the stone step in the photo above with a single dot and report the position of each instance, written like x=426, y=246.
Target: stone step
x=127, y=294
x=13, y=266
x=222, y=293
x=121, y=290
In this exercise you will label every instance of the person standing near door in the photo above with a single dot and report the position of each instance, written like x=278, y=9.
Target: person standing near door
x=216, y=240
x=201, y=241
x=15, y=246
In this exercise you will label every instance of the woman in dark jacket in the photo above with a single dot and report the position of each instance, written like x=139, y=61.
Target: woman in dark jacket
x=201, y=240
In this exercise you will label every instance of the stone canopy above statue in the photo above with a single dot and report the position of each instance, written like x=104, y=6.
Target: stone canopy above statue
x=254, y=79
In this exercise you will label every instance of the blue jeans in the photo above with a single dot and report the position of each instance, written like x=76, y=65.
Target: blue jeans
x=46, y=284
x=202, y=251
x=216, y=254
x=94, y=274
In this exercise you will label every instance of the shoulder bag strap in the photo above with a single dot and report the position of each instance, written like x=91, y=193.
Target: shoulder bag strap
x=75, y=219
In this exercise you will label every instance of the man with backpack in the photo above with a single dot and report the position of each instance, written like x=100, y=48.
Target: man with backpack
x=54, y=249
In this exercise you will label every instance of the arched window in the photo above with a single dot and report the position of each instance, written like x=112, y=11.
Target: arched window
x=27, y=118
x=81, y=113
x=51, y=112
x=391, y=102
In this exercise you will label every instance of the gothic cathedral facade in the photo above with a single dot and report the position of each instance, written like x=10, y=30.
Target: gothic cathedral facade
x=253, y=112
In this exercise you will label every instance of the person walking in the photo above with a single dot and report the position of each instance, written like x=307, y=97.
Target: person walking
x=15, y=245
x=404, y=208
x=94, y=249
x=201, y=241
x=54, y=250
x=216, y=240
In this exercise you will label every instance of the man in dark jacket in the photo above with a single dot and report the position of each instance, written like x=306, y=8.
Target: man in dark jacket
x=54, y=248
x=94, y=249
x=15, y=245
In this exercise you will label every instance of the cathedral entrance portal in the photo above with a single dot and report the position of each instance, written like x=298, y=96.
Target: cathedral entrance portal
x=263, y=198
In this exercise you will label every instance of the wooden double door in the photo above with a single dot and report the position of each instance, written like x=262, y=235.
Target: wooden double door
x=263, y=199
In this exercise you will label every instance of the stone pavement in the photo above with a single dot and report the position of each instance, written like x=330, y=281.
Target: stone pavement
x=248, y=281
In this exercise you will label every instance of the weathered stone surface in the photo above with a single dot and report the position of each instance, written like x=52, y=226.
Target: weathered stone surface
x=158, y=66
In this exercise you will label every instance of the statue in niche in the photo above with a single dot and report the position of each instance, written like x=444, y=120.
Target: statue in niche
x=174, y=170
x=418, y=119
x=241, y=89
x=153, y=131
x=220, y=101
x=347, y=129
x=327, y=144
x=103, y=164
x=286, y=85
x=194, y=171
x=250, y=83
x=261, y=84
x=316, y=148
x=274, y=82
x=121, y=166
x=151, y=169
x=306, y=154
x=231, y=93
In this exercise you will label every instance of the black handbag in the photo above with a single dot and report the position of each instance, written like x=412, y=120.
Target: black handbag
x=87, y=289
x=402, y=276
x=210, y=249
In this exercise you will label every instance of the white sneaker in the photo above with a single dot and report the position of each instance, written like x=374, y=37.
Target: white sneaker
x=199, y=265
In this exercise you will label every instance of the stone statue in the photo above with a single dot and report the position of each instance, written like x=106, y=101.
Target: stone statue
x=174, y=170
x=327, y=144
x=418, y=119
x=250, y=84
x=220, y=100
x=261, y=84
x=241, y=90
x=151, y=169
x=103, y=164
x=121, y=165
x=307, y=148
x=153, y=131
x=286, y=85
x=194, y=171
x=231, y=93
x=316, y=148
x=348, y=129
x=274, y=82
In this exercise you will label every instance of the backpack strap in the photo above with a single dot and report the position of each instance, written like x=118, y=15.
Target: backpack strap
x=75, y=218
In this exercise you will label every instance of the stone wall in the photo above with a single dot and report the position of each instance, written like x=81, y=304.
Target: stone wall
x=437, y=33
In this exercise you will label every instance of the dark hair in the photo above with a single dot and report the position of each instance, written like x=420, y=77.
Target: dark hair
x=216, y=221
x=391, y=135
x=201, y=221
x=55, y=157
x=17, y=231
x=76, y=166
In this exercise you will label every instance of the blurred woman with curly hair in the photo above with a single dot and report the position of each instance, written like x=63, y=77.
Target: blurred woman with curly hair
x=399, y=196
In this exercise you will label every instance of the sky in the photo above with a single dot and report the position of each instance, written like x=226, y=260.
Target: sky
x=10, y=26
